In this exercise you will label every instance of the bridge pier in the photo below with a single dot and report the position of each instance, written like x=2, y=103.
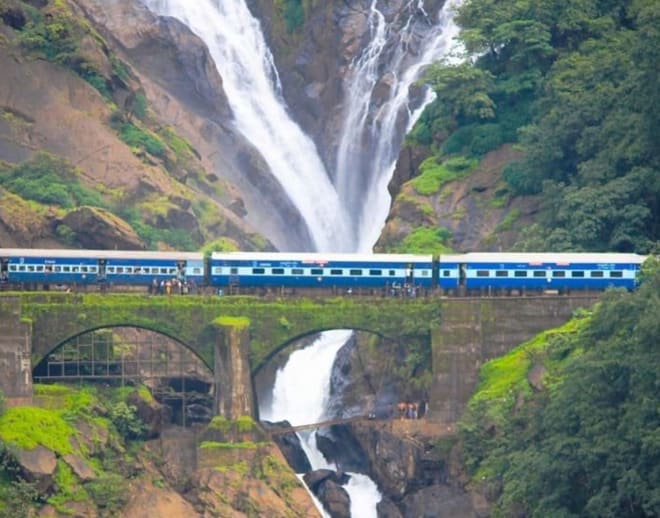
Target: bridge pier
x=15, y=349
x=234, y=396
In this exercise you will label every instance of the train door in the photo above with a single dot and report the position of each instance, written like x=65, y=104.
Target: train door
x=181, y=271
x=101, y=276
x=4, y=270
x=462, y=274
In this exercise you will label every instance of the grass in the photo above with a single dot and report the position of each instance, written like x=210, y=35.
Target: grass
x=434, y=175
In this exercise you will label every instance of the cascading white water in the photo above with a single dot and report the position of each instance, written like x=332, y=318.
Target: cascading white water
x=250, y=81
x=300, y=396
x=251, y=84
x=371, y=138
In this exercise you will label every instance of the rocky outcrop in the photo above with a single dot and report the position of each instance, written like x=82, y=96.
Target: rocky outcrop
x=327, y=486
x=96, y=228
x=477, y=210
x=439, y=501
x=38, y=466
x=289, y=444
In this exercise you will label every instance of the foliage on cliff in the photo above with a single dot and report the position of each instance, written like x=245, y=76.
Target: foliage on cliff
x=576, y=86
x=584, y=441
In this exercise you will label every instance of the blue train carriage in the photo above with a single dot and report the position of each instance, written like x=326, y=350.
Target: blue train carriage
x=46, y=267
x=547, y=271
x=148, y=268
x=320, y=270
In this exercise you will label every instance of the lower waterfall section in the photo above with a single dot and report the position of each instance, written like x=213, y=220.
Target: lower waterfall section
x=301, y=395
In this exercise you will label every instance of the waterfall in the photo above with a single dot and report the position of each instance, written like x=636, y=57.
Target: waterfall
x=347, y=215
x=372, y=135
x=300, y=396
x=236, y=43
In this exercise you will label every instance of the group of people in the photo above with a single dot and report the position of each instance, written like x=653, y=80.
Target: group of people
x=170, y=286
x=410, y=410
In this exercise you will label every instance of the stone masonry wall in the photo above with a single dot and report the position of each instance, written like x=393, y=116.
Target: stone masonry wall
x=474, y=331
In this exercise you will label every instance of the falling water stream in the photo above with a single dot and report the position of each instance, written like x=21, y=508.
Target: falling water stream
x=344, y=209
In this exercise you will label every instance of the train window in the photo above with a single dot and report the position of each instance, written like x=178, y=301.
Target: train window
x=355, y=272
x=172, y=271
x=520, y=273
x=12, y=268
x=501, y=273
x=66, y=269
x=129, y=269
x=616, y=273
x=57, y=268
x=577, y=273
x=539, y=273
x=297, y=271
x=92, y=269
x=446, y=273
x=163, y=271
x=111, y=269
x=392, y=273
x=482, y=273
x=278, y=271
x=233, y=271
x=197, y=270
x=317, y=271
x=596, y=273
x=258, y=271
x=75, y=269
x=376, y=273
x=21, y=268
x=559, y=273
x=336, y=272
x=30, y=268
x=120, y=269
x=425, y=273
x=40, y=268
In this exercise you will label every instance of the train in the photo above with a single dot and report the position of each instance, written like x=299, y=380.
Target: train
x=267, y=272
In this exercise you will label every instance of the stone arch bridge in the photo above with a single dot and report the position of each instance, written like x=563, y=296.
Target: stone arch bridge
x=235, y=336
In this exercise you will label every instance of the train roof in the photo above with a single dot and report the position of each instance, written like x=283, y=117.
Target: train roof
x=543, y=257
x=320, y=256
x=100, y=254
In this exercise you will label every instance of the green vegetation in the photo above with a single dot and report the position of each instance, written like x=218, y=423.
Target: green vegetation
x=293, y=13
x=55, y=425
x=573, y=86
x=586, y=444
x=141, y=139
x=50, y=180
x=424, y=240
x=434, y=175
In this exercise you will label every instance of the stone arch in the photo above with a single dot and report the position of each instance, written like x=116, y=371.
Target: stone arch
x=36, y=360
x=254, y=371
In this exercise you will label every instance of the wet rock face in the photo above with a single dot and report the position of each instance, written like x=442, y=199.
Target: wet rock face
x=439, y=501
x=326, y=485
x=289, y=445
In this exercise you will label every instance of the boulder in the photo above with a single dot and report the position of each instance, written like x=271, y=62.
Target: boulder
x=99, y=229
x=38, y=465
x=334, y=498
x=80, y=467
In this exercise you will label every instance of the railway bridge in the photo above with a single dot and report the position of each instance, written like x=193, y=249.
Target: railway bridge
x=236, y=336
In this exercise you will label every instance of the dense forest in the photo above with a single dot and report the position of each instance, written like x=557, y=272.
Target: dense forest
x=575, y=86
x=584, y=439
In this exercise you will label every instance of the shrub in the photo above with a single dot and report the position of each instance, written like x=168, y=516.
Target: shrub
x=48, y=179
x=109, y=491
x=126, y=420
x=143, y=139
